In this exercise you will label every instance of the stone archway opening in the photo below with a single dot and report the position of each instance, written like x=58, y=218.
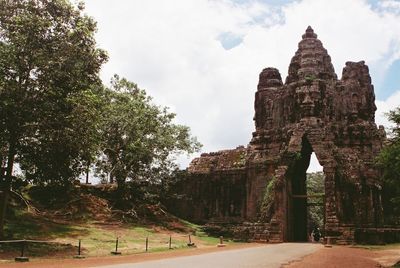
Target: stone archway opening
x=305, y=195
x=315, y=196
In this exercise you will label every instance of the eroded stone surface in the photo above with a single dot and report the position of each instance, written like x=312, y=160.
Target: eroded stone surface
x=313, y=111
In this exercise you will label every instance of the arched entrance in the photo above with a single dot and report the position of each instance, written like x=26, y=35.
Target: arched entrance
x=299, y=200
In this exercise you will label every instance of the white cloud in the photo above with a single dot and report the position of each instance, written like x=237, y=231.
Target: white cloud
x=383, y=107
x=390, y=4
x=174, y=52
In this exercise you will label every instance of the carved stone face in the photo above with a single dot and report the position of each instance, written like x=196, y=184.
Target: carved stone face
x=308, y=98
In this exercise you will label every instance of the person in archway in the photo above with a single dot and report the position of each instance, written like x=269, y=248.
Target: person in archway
x=316, y=234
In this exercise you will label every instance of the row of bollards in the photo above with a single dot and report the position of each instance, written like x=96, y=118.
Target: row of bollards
x=23, y=258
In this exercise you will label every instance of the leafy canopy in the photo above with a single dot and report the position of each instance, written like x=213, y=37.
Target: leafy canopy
x=139, y=137
x=49, y=65
x=389, y=161
x=57, y=120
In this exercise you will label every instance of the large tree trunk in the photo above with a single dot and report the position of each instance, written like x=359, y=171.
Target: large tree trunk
x=6, y=186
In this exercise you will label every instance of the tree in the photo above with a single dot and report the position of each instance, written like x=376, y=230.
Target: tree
x=63, y=151
x=49, y=63
x=315, y=212
x=139, y=137
x=389, y=161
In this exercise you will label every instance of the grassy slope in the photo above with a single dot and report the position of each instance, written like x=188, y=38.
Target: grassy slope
x=98, y=239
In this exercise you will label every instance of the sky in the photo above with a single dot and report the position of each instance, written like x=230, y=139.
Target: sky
x=202, y=58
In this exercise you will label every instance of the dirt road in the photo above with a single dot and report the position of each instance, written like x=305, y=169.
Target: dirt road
x=272, y=256
x=242, y=255
x=288, y=255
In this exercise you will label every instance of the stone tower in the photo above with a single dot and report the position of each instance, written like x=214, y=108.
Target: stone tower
x=312, y=111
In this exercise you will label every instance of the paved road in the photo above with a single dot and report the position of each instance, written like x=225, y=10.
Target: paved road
x=270, y=256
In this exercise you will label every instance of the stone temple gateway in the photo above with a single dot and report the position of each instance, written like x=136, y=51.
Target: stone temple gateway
x=313, y=111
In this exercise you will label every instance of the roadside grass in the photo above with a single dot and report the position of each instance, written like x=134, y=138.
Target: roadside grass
x=131, y=239
x=97, y=239
x=208, y=240
x=27, y=226
x=203, y=236
x=190, y=225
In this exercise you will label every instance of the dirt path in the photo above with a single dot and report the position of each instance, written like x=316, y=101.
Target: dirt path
x=342, y=257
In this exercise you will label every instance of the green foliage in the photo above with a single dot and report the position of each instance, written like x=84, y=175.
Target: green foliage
x=315, y=183
x=52, y=195
x=310, y=78
x=315, y=186
x=241, y=160
x=24, y=225
x=56, y=115
x=49, y=64
x=389, y=161
x=268, y=202
x=57, y=119
x=139, y=141
x=292, y=155
x=139, y=137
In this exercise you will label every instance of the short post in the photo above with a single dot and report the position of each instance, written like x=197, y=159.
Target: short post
x=116, y=252
x=190, y=244
x=170, y=242
x=328, y=243
x=23, y=248
x=22, y=258
x=79, y=256
x=221, y=242
x=147, y=243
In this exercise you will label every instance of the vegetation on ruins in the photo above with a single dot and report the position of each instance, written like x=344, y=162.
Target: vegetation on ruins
x=389, y=160
x=315, y=186
x=267, y=205
x=57, y=119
